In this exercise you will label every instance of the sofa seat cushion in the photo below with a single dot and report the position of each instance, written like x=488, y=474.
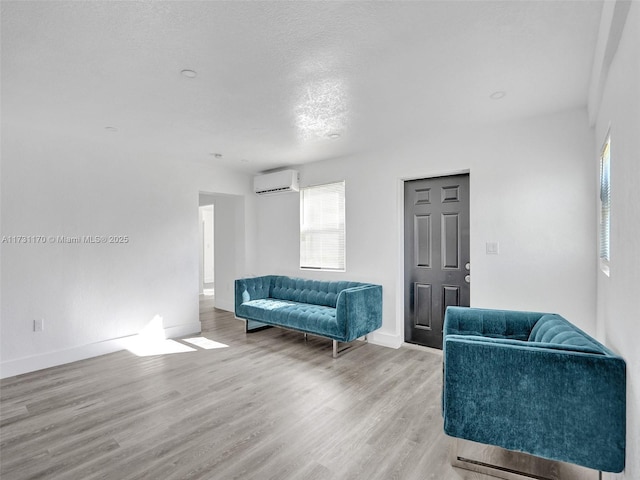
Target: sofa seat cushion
x=318, y=319
x=556, y=330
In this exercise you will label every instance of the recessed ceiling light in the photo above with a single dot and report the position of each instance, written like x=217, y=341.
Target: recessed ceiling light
x=333, y=136
x=111, y=129
x=189, y=73
x=497, y=95
x=216, y=155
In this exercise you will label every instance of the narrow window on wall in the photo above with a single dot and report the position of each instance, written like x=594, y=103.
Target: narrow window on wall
x=322, y=227
x=605, y=205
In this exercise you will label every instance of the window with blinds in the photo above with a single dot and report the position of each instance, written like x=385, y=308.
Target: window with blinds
x=605, y=204
x=322, y=227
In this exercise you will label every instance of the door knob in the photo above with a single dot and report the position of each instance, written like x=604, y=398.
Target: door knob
x=467, y=278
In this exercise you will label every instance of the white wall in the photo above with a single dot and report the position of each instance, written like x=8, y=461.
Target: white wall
x=619, y=295
x=532, y=190
x=91, y=295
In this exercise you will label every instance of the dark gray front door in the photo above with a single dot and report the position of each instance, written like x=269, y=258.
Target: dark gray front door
x=436, y=258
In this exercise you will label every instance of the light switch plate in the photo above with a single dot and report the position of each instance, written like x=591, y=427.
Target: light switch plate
x=493, y=248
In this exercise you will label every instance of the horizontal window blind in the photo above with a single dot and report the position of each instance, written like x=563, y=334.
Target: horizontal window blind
x=322, y=227
x=605, y=200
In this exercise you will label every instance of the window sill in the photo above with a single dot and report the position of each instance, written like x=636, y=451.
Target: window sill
x=312, y=269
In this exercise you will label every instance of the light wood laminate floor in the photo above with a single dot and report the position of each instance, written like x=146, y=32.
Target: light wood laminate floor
x=268, y=406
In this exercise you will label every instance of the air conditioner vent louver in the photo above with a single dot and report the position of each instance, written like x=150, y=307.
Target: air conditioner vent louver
x=275, y=190
x=276, y=182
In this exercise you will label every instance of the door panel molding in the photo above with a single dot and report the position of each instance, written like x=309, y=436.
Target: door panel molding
x=450, y=241
x=422, y=231
x=423, y=196
x=451, y=296
x=423, y=298
x=451, y=194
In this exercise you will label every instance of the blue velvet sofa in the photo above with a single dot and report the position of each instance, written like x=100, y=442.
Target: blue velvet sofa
x=534, y=383
x=340, y=310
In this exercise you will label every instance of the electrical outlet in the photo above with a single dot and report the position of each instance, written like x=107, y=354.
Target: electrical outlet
x=38, y=325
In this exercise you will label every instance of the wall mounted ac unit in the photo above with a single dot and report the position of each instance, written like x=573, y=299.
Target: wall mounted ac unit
x=276, y=182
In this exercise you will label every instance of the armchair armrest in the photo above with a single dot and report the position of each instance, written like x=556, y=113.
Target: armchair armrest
x=559, y=404
x=359, y=310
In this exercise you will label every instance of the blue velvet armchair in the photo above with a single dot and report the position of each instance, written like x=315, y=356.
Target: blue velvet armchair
x=534, y=383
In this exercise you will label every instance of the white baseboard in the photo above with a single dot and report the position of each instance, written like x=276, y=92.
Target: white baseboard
x=19, y=366
x=229, y=306
x=182, y=330
x=385, y=339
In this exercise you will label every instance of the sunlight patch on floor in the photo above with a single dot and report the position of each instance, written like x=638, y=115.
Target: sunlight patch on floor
x=146, y=347
x=152, y=341
x=205, y=343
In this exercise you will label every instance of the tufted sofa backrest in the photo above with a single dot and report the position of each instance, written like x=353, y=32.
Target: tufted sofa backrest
x=308, y=291
x=491, y=323
x=257, y=287
x=554, y=329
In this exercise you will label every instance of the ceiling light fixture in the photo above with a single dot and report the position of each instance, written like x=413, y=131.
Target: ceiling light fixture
x=189, y=73
x=111, y=129
x=216, y=155
x=333, y=136
x=497, y=95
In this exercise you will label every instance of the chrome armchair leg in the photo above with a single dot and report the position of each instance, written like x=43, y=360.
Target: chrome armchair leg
x=511, y=465
x=337, y=351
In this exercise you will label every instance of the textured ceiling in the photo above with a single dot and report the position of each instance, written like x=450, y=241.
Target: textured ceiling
x=275, y=80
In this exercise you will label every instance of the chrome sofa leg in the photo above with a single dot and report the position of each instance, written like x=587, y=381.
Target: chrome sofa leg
x=337, y=351
x=251, y=326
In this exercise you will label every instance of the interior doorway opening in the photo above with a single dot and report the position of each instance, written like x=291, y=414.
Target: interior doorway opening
x=207, y=249
x=222, y=246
